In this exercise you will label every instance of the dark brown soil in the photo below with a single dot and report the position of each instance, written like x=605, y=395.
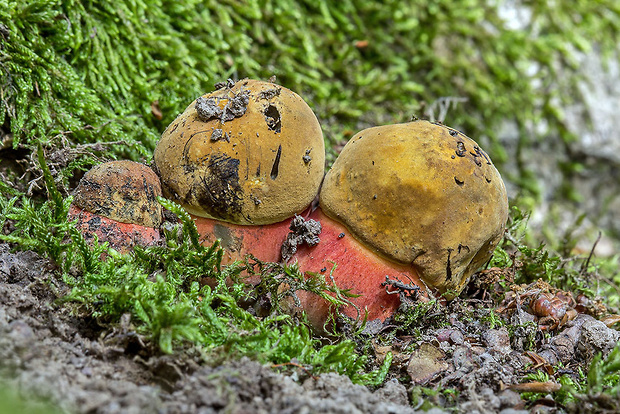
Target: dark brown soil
x=79, y=366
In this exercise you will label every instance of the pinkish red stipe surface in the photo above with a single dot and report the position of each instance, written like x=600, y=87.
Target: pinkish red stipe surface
x=120, y=236
x=263, y=241
x=359, y=269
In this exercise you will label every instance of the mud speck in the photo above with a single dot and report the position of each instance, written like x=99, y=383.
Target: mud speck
x=219, y=191
x=207, y=109
x=269, y=93
x=302, y=232
x=307, y=158
x=218, y=135
x=236, y=106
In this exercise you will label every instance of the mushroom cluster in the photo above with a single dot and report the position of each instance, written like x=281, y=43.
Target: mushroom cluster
x=417, y=204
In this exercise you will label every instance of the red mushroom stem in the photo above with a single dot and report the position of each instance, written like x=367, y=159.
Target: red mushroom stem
x=357, y=269
x=262, y=241
x=120, y=236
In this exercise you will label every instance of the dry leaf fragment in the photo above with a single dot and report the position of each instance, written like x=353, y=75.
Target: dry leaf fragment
x=426, y=363
x=610, y=320
x=543, y=387
x=156, y=110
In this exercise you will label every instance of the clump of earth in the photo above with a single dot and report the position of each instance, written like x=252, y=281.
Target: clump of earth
x=52, y=358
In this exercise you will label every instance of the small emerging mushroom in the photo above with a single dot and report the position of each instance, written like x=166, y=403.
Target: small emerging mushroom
x=418, y=202
x=242, y=160
x=117, y=201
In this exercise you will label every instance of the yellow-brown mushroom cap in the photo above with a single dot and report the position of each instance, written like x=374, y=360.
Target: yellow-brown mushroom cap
x=124, y=191
x=252, y=153
x=423, y=194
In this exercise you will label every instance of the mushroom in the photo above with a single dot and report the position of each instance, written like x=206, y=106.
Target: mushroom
x=418, y=202
x=242, y=160
x=117, y=201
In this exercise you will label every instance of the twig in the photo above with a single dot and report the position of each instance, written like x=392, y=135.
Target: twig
x=444, y=104
x=584, y=266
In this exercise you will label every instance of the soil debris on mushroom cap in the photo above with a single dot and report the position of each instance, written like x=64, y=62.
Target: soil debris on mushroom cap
x=207, y=109
x=236, y=106
x=270, y=93
x=219, y=134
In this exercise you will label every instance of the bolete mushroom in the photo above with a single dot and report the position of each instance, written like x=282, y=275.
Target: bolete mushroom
x=418, y=202
x=117, y=201
x=242, y=160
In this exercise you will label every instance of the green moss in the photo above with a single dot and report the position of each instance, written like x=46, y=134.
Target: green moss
x=10, y=402
x=92, y=70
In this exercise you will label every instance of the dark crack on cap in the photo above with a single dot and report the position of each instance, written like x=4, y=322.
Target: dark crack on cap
x=276, y=164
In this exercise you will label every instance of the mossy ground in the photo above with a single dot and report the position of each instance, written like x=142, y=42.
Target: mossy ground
x=85, y=81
